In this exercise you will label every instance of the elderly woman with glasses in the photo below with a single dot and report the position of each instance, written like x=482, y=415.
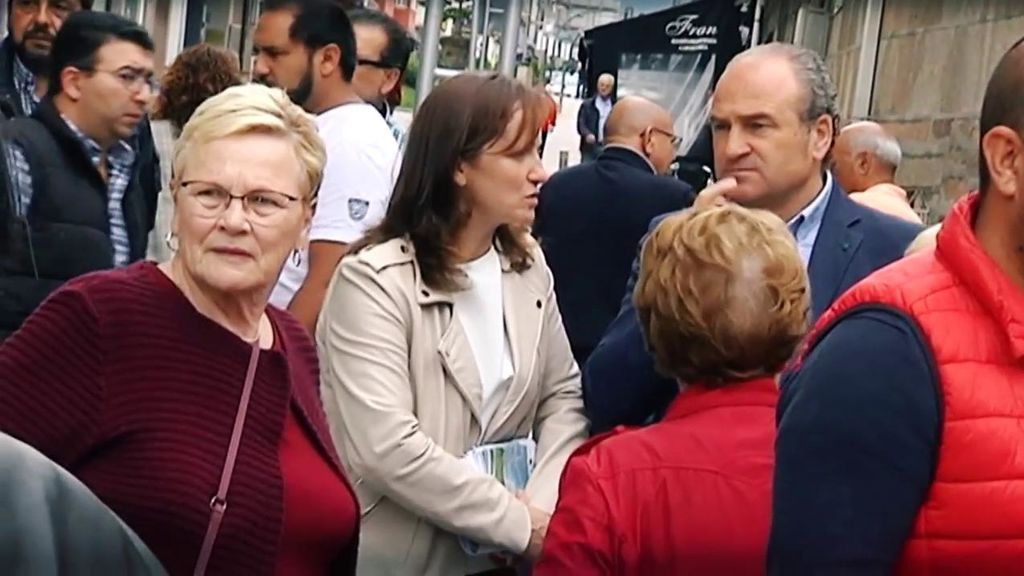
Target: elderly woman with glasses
x=174, y=392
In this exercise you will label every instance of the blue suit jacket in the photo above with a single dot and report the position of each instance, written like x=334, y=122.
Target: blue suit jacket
x=620, y=385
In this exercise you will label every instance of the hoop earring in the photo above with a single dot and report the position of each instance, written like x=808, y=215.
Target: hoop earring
x=172, y=241
x=297, y=257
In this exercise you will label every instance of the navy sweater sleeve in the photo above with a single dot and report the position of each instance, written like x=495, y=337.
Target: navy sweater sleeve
x=856, y=449
x=620, y=384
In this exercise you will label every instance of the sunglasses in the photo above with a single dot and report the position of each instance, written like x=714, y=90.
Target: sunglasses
x=376, y=64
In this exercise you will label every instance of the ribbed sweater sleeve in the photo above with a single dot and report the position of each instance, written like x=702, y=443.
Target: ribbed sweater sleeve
x=51, y=378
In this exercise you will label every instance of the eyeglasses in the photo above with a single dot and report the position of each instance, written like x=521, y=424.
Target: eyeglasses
x=214, y=200
x=133, y=79
x=58, y=8
x=675, y=140
x=376, y=64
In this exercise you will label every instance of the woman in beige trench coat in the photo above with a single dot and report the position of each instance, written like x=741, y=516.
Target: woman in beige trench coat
x=441, y=333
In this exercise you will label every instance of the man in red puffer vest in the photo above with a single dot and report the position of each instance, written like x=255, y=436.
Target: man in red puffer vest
x=901, y=429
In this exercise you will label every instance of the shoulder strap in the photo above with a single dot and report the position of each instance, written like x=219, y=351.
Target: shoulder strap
x=219, y=503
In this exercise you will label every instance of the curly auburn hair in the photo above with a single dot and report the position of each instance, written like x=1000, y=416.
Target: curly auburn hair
x=723, y=295
x=197, y=73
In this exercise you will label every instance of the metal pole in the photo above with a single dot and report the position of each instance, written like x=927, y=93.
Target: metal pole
x=474, y=36
x=430, y=46
x=755, y=34
x=487, y=34
x=510, y=38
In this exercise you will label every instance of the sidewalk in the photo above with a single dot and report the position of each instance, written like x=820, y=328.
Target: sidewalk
x=563, y=137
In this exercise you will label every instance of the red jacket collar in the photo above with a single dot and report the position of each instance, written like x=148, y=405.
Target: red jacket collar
x=697, y=398
x=958, y=248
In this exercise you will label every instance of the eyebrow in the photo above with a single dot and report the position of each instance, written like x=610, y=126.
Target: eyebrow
x=223, y=189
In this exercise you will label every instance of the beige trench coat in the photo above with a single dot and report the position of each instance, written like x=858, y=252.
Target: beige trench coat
x=403, y=396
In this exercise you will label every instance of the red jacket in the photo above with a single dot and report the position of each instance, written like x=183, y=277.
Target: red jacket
x=689, y=495
x=972, y=316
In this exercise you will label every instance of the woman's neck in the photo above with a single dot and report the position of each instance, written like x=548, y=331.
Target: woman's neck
x=241, y=314
x=473, y=241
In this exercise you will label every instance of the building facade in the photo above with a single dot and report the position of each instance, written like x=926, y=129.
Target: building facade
x=917, y=67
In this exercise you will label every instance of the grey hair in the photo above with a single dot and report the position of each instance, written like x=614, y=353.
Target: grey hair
x=812, y=72
x=883, y=146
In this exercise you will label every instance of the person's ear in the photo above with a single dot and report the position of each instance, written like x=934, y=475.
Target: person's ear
x=71, y=81
x=329, y=60
x=1003, y=153
x=862, y=162
x=822, y=134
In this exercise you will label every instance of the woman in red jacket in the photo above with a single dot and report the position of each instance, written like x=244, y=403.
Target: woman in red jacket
x=723, y=302
x=189, y=406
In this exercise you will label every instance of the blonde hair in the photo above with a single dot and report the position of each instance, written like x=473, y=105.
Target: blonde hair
x=249, y=109
x=722, y=296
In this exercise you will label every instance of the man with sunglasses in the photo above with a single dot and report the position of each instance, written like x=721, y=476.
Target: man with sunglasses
x=308, y=48
x=71, y=168
x=383, y=48
x=591, y=216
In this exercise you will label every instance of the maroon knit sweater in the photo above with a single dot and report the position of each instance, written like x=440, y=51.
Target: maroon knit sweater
x=120, y=380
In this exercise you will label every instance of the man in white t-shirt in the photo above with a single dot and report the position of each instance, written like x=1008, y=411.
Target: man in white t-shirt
x=308, y=48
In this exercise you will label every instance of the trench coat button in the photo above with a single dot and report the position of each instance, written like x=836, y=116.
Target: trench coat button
x=425, y=293
x=538, y=304
x=405, y=249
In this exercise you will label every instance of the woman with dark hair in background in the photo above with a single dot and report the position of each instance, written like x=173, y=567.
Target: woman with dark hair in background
x=441, y=335
x=197, y=74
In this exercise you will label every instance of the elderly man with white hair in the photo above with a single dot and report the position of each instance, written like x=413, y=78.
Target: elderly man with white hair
x=593, y=115
x=865, y=161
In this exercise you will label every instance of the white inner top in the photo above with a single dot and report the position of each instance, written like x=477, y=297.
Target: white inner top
x=481, y=314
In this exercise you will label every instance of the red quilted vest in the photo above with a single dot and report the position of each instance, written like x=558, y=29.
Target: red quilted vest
x=973, y=318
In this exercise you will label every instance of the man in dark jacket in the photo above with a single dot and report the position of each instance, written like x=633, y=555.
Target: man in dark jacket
x=72, y=178
x=24, y=77
x=592, y=117
x=591, y=217
x=773, y=119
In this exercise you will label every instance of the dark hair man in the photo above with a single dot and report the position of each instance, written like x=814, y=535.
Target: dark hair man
x=308, y=48
x=900, y=429
x=383, y=49
x=73, y=175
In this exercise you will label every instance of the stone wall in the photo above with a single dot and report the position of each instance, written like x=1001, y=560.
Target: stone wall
x=934, y=59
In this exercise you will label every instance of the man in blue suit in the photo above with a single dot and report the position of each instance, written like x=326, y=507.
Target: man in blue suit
x=774, y=119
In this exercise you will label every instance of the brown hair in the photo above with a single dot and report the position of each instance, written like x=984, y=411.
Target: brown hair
x=460, y=119
x=722, y=296
x=198, y=73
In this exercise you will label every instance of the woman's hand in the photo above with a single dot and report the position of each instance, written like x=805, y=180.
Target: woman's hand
x=538, y=529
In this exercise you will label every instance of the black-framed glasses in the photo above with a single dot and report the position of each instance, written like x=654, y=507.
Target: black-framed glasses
x=133, y=79
x=376, y=64
x=214, y=200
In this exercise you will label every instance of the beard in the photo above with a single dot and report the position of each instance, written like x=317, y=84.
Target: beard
x=38, y=64
x=300, y=94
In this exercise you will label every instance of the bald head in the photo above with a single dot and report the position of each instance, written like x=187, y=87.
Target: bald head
x=631, y=116
x=644, y=127
x=865, y=155
x=1003, y=105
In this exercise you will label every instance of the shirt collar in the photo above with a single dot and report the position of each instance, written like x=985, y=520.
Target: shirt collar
x=812, y=214
x=120, y=153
